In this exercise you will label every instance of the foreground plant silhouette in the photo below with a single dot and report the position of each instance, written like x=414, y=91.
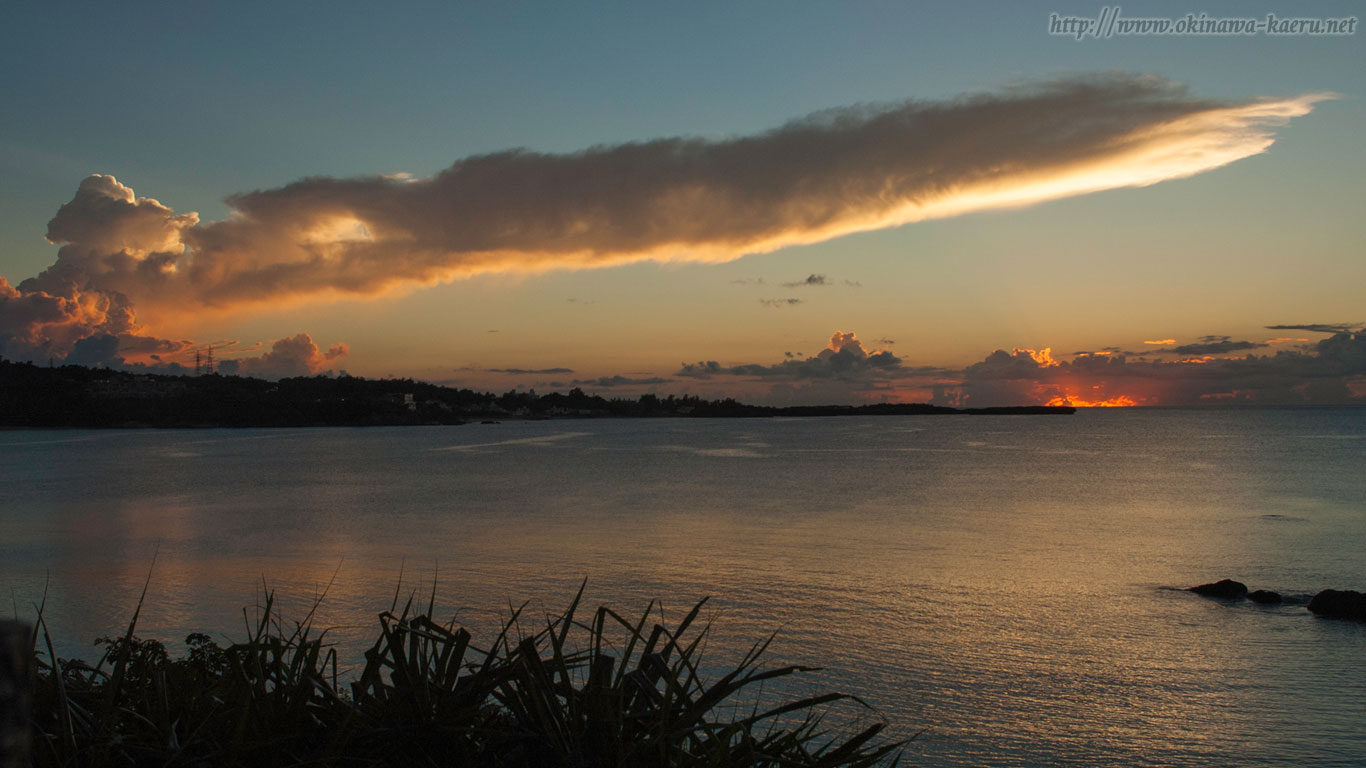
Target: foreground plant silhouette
x=609, y=692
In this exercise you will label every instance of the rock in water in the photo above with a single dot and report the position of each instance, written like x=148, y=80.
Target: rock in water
x=1339, y=604
x=1224, y=589
x=1265, y=597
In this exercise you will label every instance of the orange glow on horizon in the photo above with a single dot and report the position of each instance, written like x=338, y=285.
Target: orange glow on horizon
x=1119, y=401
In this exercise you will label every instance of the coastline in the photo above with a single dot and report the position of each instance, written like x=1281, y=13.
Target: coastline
x=75, y=397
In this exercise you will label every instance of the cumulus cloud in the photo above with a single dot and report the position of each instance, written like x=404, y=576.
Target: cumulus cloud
x=844, y=372
x=40, y=324
x=294, y=356
x=1331, y=371
x=79, y=309
x=843, y=358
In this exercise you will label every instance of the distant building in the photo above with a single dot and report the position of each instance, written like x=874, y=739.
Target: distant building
x=405, y=399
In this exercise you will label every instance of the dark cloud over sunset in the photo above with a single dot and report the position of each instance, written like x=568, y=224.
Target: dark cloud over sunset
x=1332, y=371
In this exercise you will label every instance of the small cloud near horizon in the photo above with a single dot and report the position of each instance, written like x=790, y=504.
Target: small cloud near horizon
x=1320, y=327
x=525, y=371
x=621, y=381
x=815, y=280
x=1213, y=345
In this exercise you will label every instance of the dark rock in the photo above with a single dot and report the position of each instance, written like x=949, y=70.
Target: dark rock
x=1224, y=589
x=1339, y=604
x=1265, y=597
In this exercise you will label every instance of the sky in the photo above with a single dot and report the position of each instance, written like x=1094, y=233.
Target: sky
x=786, y=203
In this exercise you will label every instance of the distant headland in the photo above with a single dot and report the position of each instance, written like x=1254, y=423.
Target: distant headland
x=74, y=396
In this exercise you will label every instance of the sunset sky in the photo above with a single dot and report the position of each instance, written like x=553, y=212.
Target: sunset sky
x=781, y=202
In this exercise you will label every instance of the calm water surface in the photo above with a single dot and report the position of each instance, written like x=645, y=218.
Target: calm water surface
x=1001, y=582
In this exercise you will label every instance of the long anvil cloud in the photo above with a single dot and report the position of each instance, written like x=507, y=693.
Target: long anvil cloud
x=675, y=199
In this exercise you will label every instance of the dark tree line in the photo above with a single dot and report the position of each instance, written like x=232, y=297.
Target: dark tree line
x=75, y=396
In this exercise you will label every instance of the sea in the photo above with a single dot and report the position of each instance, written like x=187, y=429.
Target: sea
x=1002, y=590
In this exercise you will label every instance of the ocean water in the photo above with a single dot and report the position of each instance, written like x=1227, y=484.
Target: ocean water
x=1002, y=586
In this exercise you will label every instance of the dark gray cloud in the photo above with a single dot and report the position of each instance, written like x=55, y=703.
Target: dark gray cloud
x=702, y=369
x=1320, y=327
x=1214, y=345
x=92, y=351
x=621, y=381
x=1129, y=353
x=780, y=302
x=520, y=371
x=819, y=281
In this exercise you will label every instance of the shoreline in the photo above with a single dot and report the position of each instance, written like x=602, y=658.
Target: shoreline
x=75, y=397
